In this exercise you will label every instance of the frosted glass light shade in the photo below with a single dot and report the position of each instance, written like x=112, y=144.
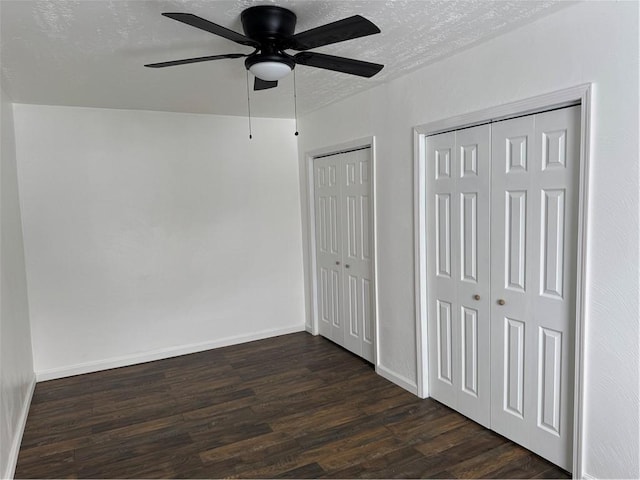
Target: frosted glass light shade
x=270, y=71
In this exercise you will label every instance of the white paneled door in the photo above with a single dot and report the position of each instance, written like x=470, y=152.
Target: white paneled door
x=502, y=298
x=344, y=250
x=458, y=168
x=533, y=268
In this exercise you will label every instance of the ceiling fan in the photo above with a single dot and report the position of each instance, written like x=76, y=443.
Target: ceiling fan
x=270, y=30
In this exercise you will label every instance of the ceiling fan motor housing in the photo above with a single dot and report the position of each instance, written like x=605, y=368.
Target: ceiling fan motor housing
x=268, y=23
x=271, y=26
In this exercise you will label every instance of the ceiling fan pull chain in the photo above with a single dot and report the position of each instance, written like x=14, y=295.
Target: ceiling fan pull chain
x=249, y=106
x=295, y=102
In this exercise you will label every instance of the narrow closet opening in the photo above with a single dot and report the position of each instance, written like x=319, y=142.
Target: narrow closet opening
x=343, y=204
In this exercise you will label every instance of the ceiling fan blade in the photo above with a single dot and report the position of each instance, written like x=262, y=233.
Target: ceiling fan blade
x=206, y=25
x=260, y=84
x=345, y=29
x=338, y=64
x=194, y=60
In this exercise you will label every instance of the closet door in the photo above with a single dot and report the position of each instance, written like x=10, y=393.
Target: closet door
x=534, y=225
x=357, y=251
x=344, y=250
x=458, y=182
x=328, y=206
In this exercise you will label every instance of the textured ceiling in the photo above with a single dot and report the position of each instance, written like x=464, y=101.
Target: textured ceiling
x=91, y=52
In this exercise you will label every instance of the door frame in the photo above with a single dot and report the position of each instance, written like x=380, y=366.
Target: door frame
x=312, y=280
x=578, y=95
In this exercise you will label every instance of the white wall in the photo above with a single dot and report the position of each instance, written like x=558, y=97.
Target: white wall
x=149, y=234
x=588, y=42
x=16, y=365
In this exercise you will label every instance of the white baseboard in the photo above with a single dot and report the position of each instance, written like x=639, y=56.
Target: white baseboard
x=398, y=379
x=17, y=437
x=127, y=360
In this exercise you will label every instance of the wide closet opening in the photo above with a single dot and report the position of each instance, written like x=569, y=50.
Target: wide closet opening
x=343, y=247
x=500, y=220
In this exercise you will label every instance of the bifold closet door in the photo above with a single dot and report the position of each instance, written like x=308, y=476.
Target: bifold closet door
x=533, y=237
x=344, y=250
x=458, y=170
x=328, y=205
x=501, y=262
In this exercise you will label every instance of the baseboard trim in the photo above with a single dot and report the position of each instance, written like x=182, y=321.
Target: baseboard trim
x=17, y=437
x=398, y=379
x=126, y=360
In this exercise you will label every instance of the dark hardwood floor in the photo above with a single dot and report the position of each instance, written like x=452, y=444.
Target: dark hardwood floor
x=294, y=406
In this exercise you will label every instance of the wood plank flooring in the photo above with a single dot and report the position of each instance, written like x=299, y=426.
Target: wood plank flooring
x=294, y=406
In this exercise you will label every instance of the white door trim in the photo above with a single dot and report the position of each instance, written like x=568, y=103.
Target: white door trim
x=365, y=142
x=580, y=94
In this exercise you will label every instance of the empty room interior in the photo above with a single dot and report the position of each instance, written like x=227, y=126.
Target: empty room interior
x=319, y=239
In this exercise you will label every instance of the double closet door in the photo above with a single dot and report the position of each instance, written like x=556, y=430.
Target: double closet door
x=501, y=262
x=344, y=250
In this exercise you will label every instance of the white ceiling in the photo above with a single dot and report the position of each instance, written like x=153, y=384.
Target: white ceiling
x=91, y=52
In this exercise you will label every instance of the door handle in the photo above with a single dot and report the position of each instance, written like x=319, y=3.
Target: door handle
x=337, y=263
x=501, y=302
x=346, y=265
x=476, y=297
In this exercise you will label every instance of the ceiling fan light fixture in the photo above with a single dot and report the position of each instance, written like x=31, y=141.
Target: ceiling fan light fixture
x=270, y=71
x=270, y=30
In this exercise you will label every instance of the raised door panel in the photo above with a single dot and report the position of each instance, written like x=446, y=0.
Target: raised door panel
x=469, y=349
x=512, y=380
x=444, y=345
x=443, y=234
x=549, y=380
x=515, y=240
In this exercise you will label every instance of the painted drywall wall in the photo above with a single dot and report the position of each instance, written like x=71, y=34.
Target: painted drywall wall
x=588, y=42
x=16, y=361
x=150, y=234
